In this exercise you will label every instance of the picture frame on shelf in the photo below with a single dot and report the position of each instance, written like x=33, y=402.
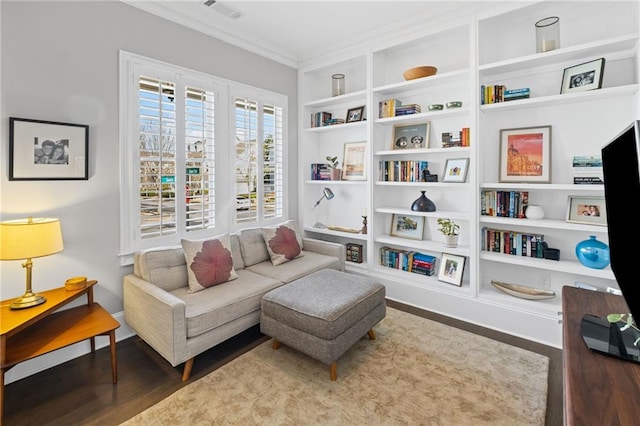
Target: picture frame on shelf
x=355, y=114
x=451, y=269
x=455, y=170
x=407, y=226
x=411, y=136
x=48, y=150
x=586, y=210
x=583, y=77
x=525, y=155
x=354, y=161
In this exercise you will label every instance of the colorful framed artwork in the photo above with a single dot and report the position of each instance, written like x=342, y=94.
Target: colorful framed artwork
x=587, y=210
x=583, y=77
x=48, y=150
x=451, y=269
x=411, y=136
x=354, y=161
x=456, y=170
x=525, y=155
x=407, y=226
x=355, y=114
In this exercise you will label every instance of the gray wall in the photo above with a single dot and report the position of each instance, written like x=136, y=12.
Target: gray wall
x=59, y=62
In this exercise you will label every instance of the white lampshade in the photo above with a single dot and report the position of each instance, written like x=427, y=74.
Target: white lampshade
x=28, y=238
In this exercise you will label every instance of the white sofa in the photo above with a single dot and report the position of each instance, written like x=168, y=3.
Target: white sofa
x=180, y=325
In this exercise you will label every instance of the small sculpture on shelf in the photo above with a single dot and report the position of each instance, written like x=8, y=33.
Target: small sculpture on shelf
x=423, y=204
x=364, y=221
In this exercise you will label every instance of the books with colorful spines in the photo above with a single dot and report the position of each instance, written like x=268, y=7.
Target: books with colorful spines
x=517, y=92
x=320, y=171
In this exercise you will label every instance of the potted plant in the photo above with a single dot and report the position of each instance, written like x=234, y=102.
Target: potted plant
x=450, y=230
x=333, y=164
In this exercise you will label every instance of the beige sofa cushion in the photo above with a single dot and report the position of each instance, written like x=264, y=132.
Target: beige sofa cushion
x=283, y=242
x=207, y=310
x=297, y=267
x=165, y=267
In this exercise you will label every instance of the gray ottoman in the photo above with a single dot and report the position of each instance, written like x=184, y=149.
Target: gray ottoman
x=323, y=314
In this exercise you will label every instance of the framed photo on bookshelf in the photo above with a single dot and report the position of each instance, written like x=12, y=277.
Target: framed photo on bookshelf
x=355, y=114
x=411, y=136
x=354, y=161
x=525, y=155
x=583, y=77
x=407, y=226
x=587, y=210
x=455, y=170
x=451, y=269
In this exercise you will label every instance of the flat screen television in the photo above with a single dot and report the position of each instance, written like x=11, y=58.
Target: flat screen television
x=621, y=171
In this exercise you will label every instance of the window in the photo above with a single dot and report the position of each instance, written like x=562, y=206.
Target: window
x=176, y=161
x=258, y=164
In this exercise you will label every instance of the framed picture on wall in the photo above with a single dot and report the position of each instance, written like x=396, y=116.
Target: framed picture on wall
x=588, y=210
x=525, y=155
x=407, y=226
x=48, y=150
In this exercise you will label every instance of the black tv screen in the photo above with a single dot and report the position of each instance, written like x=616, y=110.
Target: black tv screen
x=620, y=159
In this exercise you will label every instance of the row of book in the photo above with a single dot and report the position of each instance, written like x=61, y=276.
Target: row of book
x=318, y=119
x=513, y=243
x=504, y=203
x=402, y=170
x=491, y=94
x=409, y=261
x=460, y=138
x=320, y=171
x=587, y=170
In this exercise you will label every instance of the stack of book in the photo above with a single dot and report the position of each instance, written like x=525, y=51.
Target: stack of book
x=504, y=203
x=515, y=94
x=318, y=118
x=513, y=243
x=408, y=109
x=402, y=170
x=320, y=171
x=587, y=170
x=333, y=121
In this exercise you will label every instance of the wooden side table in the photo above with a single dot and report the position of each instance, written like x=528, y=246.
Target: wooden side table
x=20, y=340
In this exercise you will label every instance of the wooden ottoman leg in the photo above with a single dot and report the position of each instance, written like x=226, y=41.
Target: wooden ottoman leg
x=333, y=371
x=187, y=369
x=371, y=334
x=275, y=344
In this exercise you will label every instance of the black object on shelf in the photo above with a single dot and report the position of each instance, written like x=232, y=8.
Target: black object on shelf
x=423, y=204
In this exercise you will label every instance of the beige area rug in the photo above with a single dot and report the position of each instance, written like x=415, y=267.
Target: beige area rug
x=417, y=372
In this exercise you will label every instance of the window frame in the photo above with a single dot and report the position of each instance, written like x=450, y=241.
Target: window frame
x=130, y=66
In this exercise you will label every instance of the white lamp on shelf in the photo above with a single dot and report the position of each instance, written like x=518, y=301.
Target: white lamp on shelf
x=25, y=239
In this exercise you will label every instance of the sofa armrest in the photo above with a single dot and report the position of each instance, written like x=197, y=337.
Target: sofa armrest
x=328, y=248
x=157, y=316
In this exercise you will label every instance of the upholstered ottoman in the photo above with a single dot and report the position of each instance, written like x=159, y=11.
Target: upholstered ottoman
x=323, y=314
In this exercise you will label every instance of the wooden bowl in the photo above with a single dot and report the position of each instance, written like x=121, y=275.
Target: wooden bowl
x=419, y=72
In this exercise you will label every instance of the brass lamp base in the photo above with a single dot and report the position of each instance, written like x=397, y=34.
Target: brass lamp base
x=28, y=300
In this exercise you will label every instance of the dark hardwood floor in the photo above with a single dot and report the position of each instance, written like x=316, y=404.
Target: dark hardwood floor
x=80, y=392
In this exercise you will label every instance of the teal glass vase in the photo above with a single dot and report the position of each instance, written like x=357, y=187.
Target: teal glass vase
x=593, y=253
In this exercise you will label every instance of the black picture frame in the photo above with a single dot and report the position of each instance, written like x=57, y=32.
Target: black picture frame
x=583, y=77
x=355, y=114
x=47, y=150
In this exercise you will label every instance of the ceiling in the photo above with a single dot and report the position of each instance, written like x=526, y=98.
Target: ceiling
x=295, y=31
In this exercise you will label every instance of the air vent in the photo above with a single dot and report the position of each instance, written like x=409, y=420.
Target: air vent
x=224, y=9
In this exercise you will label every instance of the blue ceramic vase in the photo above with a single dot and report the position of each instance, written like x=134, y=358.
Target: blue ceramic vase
x=593, y=253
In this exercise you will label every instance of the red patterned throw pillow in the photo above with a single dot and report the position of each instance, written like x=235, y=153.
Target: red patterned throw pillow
x=283, y=242
x=209, y=262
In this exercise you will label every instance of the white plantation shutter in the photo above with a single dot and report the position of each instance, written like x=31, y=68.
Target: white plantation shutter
x=170, y=185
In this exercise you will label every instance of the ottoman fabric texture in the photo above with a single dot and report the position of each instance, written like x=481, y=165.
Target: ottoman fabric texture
x=324, y=303
x=324, y=313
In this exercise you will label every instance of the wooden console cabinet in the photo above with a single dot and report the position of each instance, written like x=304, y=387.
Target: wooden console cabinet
x=28, y=333
x=598, y=389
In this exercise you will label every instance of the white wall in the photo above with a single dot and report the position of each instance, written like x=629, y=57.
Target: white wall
x=59, y=62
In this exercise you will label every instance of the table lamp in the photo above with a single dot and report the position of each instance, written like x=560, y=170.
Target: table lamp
x=26, y=239
x=326, y=193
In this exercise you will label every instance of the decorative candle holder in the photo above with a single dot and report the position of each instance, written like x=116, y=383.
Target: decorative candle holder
x=364, y=225
x=337, y=84
x=547, y=34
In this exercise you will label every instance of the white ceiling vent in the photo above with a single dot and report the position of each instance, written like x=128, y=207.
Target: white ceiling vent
x=224, y=9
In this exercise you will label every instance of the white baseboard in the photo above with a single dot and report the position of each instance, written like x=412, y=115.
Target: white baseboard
x=41, y=363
